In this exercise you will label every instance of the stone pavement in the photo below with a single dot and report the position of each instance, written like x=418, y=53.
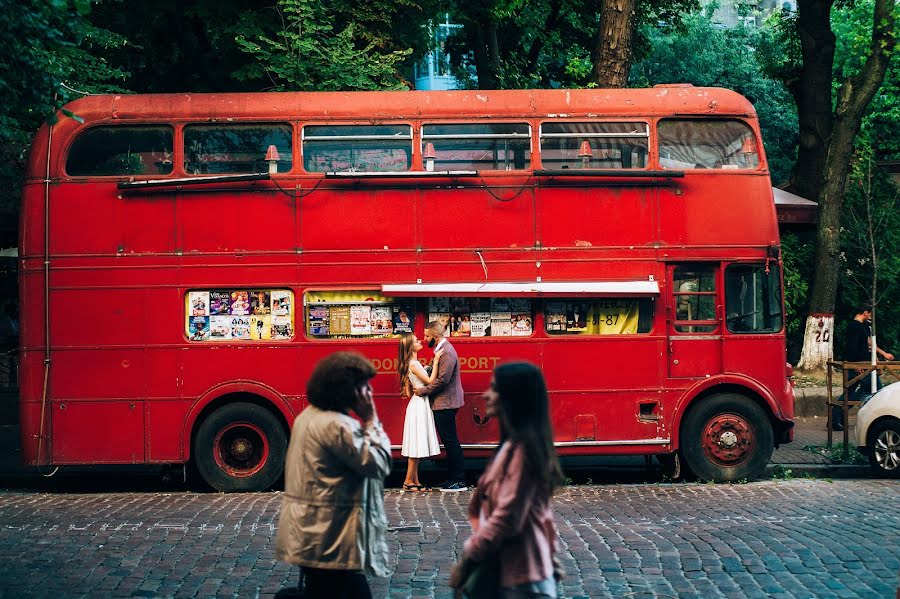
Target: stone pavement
x=782, y=539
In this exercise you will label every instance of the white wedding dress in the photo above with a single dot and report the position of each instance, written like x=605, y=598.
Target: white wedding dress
x=419, y=435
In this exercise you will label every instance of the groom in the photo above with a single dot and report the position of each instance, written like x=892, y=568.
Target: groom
x=446, y=395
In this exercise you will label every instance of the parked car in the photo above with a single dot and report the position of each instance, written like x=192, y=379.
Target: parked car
x=878, y=431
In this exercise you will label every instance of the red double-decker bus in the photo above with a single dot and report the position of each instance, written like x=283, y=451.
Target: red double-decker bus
x=187, y=259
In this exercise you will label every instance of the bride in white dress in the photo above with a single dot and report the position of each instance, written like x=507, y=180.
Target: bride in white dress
x=419, y=434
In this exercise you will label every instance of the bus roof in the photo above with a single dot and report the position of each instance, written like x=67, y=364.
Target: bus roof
x=662, y=100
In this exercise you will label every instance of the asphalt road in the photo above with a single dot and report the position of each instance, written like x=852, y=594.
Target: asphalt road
x=784, y=538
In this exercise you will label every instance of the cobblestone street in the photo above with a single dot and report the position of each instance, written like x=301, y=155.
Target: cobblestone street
x=793, y=538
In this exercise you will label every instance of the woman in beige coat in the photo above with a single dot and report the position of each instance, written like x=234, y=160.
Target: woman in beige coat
x=332, y=521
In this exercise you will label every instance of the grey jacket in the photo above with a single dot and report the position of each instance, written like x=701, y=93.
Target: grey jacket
x=332, y=514
x=446, y=392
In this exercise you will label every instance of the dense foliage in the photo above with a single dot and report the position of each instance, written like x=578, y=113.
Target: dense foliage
x=51, y=50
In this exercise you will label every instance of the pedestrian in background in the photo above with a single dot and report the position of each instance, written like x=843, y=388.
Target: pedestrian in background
x=510, y=511
x=857, y=348
x=332, y=521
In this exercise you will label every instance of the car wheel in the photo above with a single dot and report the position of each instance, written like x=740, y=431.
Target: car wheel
x=726, y=438
x=884, y=448
x=240, y=447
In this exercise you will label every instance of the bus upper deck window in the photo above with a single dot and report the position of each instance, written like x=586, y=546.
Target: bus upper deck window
x=235, y=149
x=479, y=146
x=121, y=150
x=707, y=143
x=357, y=148
x=594, y=145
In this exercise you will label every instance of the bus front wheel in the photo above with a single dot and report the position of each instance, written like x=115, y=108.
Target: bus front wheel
x=726, y=438
x=240, y=447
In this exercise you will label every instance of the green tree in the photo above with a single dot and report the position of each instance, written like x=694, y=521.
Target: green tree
x=513, y=44
x=49, y=54
x=829, y=121
x=324, y=45
x=704, y=54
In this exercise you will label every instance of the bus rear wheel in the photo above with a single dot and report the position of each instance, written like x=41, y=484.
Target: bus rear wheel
x=240, y=447
x=726, y=438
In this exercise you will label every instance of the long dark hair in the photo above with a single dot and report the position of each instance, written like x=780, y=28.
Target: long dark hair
x=405, y=354
x=525, y=418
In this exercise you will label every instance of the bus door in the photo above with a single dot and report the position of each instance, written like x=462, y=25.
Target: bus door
x=695, y=337
x=754, y=322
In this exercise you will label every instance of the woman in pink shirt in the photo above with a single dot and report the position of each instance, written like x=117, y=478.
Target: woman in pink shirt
x=510, y=511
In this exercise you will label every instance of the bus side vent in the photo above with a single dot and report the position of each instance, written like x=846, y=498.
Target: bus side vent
x=647, y=412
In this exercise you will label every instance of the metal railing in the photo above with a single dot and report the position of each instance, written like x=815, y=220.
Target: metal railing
x=853, y=373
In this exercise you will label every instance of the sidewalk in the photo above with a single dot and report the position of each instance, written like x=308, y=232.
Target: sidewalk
x=809, y=431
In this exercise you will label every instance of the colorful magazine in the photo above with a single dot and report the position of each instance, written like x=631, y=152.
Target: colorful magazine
x=219, y=302
x=402, y=317
x=240, y=303
x=220, y=327
x=260, y=302
x=556, y=317
x=318, y=320
x=261, y=327
x=199, y=302
x=360, y=320
x=198, y=328
x=382, y=324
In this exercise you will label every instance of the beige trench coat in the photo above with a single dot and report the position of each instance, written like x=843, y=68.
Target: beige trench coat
x=332, y=516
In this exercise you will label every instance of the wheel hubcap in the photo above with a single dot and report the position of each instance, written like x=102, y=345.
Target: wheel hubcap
x=241, y=449
x=887, y=450
x=728, y=440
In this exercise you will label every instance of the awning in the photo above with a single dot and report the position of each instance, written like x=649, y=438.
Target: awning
x=793, y=209
x=568, y=288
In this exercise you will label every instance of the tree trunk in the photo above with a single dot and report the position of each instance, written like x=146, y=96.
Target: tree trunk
x=612, y=47
x=853, y=100
x=812, y=93
x=817, y=342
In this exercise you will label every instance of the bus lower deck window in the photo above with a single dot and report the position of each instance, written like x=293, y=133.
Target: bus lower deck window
x=598, y=316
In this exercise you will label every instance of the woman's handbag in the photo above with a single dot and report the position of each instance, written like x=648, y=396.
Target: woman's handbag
x=483, y=581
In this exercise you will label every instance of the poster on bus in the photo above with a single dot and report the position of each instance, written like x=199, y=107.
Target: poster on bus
x=240, y=327
x=318, y=320
x=220, y=327
x=339, y=320
x=501, y=317
x=439, y=310
x=219, y=302
x=360, y=320
x=576, y=317
x=401, y=315
x=240, y=303
x=556, y=317
x=281, y=328
x=460, y=317
x=199, y=302
x=520, y=317
x=382, y=323
x=261, y=327
x=199, y=328
x=260, y=302
x=281, y=303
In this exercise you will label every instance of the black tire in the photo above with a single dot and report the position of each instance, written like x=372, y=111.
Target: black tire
x=883, y=447
x=726, y=438
x=240, y=447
